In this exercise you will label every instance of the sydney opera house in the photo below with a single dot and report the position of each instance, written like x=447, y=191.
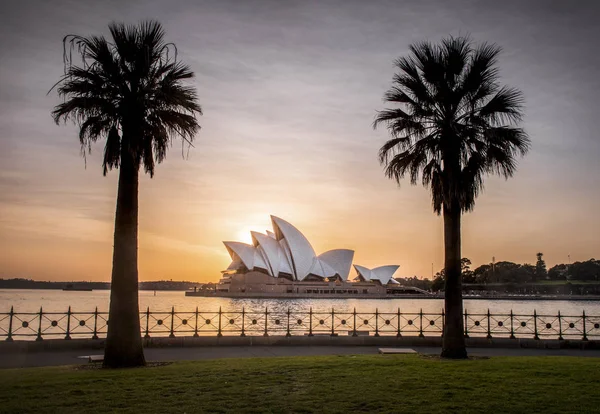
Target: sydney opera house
x=282, y=262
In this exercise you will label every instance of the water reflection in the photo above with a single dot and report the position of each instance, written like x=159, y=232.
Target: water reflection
x=59, y=301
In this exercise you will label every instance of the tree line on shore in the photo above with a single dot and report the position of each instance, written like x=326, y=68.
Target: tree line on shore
x=20, y=283
x=508, y=273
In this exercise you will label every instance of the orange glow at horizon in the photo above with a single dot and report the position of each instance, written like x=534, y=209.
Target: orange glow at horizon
x=287, y=131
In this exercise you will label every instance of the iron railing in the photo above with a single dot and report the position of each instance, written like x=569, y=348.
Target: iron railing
x=66, y=325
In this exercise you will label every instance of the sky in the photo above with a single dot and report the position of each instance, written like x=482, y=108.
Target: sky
x=289, y=91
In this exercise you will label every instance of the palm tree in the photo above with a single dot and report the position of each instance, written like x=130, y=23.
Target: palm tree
x=131, y=92
x=454, y=124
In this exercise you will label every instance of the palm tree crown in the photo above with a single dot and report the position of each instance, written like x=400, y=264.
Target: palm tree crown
x=129, y=91
x=456, y=123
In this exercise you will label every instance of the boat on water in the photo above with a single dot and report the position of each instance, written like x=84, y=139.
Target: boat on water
x=282, y=264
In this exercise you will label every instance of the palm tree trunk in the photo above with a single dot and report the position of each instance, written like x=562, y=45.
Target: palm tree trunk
x=123, y=342
x=454, y=341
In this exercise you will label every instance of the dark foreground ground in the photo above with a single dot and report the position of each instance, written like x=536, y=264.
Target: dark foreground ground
x=344, y=383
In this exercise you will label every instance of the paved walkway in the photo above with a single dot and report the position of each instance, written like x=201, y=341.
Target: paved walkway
x=70, y=357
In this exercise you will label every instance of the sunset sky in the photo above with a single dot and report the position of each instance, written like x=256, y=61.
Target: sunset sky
x=289, y=91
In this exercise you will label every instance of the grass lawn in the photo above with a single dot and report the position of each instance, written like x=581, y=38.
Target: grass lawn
x=367, y=383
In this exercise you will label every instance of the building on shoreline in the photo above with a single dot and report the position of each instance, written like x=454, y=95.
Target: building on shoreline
x=282, y=262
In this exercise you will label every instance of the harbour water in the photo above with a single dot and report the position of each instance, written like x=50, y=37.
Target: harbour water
x=59, y=301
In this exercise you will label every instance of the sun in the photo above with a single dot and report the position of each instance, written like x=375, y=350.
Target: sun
x=244, y=235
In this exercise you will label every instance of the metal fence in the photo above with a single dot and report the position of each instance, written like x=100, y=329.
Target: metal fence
x=66, y=325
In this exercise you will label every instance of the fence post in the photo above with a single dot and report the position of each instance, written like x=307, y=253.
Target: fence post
x=585, y=338
x=560, y=337
x=332, y=322
x=489, y=332
x=266, y=317
x=68, y=323
x=219, y=334
x=172, y=334
x=310, y=322
x=196, y=325
x=399, y=334
x=421, y=323
x=243, y=321
x=443, y=321
x=288, y=323
x=512, y=330
x=354, y=324
x=535, y=325
x=147, y=335
x=95, y=336
x=10, y=322
x=376, y=322
x=466, y=324
x=39, y=333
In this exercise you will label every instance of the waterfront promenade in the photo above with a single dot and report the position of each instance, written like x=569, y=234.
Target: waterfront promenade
x=71, y=357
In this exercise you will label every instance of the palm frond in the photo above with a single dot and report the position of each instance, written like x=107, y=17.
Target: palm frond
x=130, y=90
x=449, y=105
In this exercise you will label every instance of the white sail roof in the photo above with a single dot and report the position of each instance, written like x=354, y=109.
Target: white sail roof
x=382, y=273
x=271, y=248
x=286, y=250
x=302, y=253
x=340, y=260
x=242, y=251
x=364, y=273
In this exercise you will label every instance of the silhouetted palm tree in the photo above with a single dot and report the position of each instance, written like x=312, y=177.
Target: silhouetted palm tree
x=129, y=91
x=455, y=124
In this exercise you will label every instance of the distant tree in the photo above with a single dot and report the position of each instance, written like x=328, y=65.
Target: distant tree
x=456, y=124
x=465, y=269
x=588, y=270
x=439, y=281
x=558, y=272
x=129, y=91
x=540, y=267
x=483, y=273
x=526, y=273
x=506, y=272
